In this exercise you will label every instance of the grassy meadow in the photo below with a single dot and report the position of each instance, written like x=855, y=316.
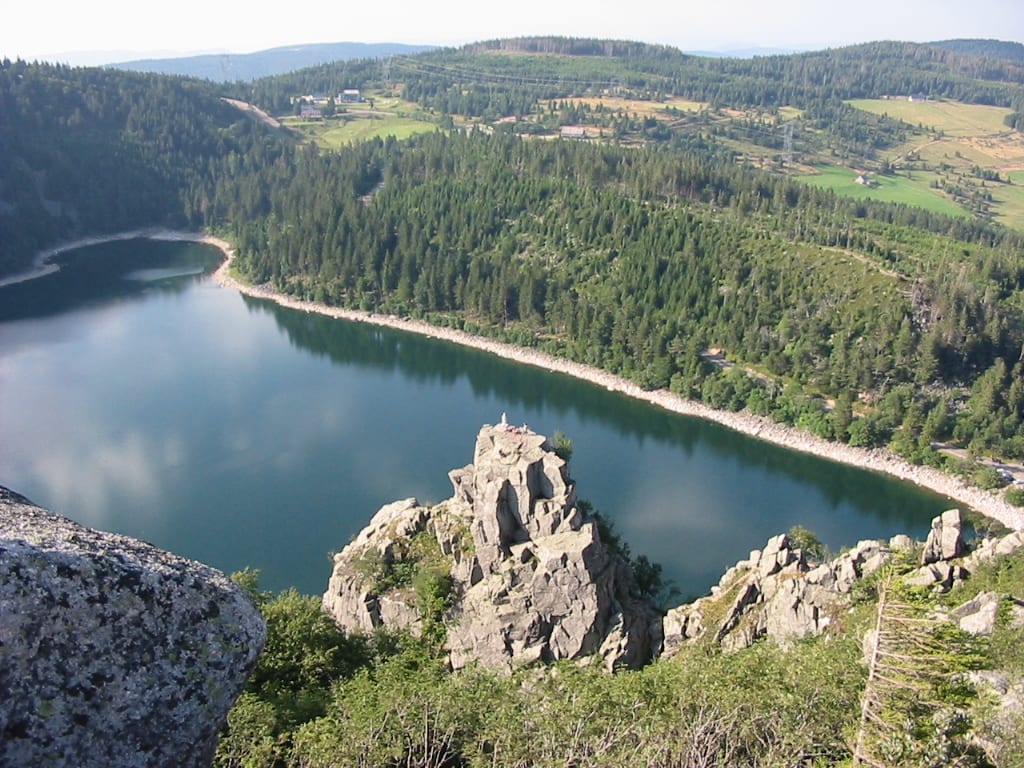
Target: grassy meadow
x=334, y=134
x=956, y=146
x=390, y=116
x=950, y=117
x=1010, y=202
x=641, y=107
x=914, y=190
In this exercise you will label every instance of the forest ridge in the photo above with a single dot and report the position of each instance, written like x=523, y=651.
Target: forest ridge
x=680, y=222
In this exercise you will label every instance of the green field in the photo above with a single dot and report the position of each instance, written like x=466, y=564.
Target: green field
x=950, y=117
x=893, y=189
x=960, y=140
x=333, y=134
x=1009, y=199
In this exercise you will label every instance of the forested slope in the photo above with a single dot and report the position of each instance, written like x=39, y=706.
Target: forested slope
x=993, y=49
x=639, y=261
x=654, y=252
x=87, y=151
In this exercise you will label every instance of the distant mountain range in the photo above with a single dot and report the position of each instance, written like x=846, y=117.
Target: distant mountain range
x=235, y=67
x=744, y=53
x=230, y=67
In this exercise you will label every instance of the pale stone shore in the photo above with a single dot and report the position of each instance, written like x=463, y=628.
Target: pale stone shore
x=988, y=503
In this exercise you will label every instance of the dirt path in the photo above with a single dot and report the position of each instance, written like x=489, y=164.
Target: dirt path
x=258, y=113
x=987, y=503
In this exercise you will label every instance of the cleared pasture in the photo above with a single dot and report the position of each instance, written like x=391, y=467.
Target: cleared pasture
x=950, y=117
x=1009, y=201
x=893, y=189
x=334, y=134
x=640, y=107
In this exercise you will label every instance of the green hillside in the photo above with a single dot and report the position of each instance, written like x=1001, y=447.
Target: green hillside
x=636, y=209
x=613, y=202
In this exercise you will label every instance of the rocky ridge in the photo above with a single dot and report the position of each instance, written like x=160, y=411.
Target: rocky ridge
x=528, y=578
x=778, y=593
x=526, y=574
x=112, y=652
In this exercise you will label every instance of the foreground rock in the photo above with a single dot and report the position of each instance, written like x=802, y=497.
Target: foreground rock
x=525, y=574
x=112, y=652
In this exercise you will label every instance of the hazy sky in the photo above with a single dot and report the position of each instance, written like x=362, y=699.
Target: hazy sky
x=40, y=29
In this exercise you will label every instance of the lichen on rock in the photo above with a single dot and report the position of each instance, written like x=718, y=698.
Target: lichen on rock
x=112, y=652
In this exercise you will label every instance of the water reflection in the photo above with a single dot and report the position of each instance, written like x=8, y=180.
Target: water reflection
x=98, y=274
x=243, y=434
x=530, y=390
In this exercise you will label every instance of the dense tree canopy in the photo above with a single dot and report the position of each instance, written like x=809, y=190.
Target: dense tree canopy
x=84, y=151
x=848, y=317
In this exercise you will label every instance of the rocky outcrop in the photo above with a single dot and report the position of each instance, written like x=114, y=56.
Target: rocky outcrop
x=112, y=652
x=945, y=539
x=776, y=593
x=978, y=615
x=773, y=593
x=991, y=548
x=530, y=578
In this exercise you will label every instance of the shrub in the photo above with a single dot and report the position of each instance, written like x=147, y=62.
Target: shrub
x=562, y=446
x=808, y=541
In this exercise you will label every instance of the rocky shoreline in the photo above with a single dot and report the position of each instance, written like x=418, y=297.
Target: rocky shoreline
x=988, y=503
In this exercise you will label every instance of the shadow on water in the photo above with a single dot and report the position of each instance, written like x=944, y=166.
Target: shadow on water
x=84, y=278
x=425, y=359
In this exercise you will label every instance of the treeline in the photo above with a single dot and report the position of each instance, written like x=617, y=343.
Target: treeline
x=989, y=49
x=482, y=79
x=640, y=261
x=86, y=151
x=849, y=318
x=870, y=70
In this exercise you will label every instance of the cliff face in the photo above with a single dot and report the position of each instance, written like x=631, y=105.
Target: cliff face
x=112, y=652
x=530, y=579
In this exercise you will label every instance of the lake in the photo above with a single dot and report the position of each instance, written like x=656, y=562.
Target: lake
x=138, y=396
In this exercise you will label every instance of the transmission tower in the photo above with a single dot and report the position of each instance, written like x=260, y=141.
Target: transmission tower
x=787, y=144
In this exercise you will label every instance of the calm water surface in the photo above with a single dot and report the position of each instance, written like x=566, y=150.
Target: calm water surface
x=138, y=396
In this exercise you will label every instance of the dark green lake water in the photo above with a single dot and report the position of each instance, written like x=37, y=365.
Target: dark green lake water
x=138, y=396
